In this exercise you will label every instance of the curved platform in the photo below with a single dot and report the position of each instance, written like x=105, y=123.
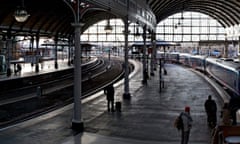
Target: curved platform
x=147, y=117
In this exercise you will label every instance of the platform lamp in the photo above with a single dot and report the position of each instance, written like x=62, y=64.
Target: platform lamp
x=21, y=14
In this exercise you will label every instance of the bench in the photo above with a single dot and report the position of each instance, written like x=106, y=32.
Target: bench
x=221, y=132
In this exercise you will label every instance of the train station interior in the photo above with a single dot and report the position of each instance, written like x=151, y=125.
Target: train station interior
x=163, y=58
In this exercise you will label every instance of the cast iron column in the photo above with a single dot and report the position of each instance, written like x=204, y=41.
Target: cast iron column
x=145, y=73
x=37, y=54
x=226, y=47
x=56, y=52
x=126, y=94
x=77, y=122
x=153, y=53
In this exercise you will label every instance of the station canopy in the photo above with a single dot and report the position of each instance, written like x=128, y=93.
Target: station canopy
x=54, y=17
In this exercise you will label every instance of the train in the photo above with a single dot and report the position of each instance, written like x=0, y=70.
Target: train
x=224, y=70
x=3, y=66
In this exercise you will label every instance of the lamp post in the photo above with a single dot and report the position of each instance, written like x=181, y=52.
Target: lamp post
x=77, y=122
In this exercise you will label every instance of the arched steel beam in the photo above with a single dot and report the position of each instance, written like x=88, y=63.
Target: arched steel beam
x=43, y=23
x=157, y=5
x=172, y=5
x=229, y=18
x=59, y=27
x=209, y=11
x=218, y=6
x=197, y=10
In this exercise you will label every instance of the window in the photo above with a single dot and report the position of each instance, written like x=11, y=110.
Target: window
x=193, y=27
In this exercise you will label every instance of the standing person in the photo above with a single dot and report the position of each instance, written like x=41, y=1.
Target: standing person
x=19, y=68
x=187, y=125
x=211, y=110
x=109, y=91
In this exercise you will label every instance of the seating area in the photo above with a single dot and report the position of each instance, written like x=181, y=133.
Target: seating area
x=226, y=135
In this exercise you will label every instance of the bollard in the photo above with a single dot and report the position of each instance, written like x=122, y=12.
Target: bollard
x=39, y=91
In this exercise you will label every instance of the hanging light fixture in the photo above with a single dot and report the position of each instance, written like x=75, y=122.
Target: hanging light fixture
x=20, y=14
x=108, y=28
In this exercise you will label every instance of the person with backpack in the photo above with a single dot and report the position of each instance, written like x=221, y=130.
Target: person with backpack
x=186, y=124
x=211, y=110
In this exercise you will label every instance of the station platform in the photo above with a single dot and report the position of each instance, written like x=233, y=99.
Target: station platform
x=29, y=70
x=147, y=118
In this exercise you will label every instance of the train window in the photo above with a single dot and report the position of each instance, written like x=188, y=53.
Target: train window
x=236, y=60
x=227, y=59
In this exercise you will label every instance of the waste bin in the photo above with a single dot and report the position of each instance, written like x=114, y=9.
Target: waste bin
x=39, y=91
x=238, y=116
x=118, y=106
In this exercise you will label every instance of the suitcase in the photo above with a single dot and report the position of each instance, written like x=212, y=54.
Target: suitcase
x=118, y=106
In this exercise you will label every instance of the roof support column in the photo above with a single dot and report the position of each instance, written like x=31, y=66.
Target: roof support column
x=77, y=122
x=145, y=71
x=238, y=51
x=126, y=94
x=37, y=54
x=31, y=49
x=9, y=54
x=226, y=47
x=56, y=52
x=69, y=50
x=153, y=54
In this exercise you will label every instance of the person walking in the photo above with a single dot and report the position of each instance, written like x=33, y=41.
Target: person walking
x=187, y=125
x=109, y=91
x=211, y=110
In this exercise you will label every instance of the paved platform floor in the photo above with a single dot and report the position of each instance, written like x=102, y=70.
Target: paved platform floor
x=145, y=119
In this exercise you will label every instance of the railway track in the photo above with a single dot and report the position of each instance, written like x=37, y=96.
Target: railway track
x=26, y=87
x=28, y=108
